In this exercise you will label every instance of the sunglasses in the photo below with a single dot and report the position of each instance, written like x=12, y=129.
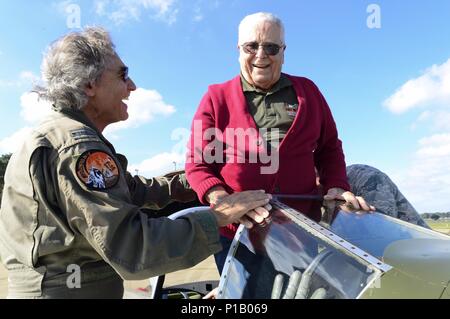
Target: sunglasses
x=269, y=48
x=124, y=73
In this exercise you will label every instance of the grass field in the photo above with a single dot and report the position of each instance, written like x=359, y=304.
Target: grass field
x=440, y=226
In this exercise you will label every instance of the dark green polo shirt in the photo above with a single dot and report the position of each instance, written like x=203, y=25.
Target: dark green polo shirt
x=275, y=108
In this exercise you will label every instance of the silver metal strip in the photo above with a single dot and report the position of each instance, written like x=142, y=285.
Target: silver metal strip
x=301, y=219
x=225, y=276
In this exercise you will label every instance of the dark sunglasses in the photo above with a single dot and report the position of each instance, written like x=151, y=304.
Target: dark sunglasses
x=124, y=74
x=269, y=48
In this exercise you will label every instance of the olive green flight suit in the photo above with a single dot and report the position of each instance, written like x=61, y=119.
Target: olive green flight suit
x=51, y=222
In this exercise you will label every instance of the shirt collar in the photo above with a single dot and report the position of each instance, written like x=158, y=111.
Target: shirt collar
x=79, y=116
x=281, y=83
x=75, y=114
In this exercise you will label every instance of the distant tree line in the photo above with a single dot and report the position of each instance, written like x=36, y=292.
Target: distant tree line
x=4, y=159
x=436, y=216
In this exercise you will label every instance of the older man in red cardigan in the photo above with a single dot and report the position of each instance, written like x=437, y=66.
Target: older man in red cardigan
x=265, y=130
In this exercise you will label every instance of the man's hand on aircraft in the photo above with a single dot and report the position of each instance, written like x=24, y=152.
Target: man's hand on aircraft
x=351, y=203
x=231, y=208
x=257, y=215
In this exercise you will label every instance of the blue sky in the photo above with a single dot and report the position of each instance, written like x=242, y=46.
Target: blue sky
x=388, y=87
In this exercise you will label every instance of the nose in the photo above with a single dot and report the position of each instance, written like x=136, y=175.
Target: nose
x=131, y=85
x=260, y=53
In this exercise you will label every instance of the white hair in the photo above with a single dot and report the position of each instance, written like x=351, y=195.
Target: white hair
x=72, y=63
x=254, y=19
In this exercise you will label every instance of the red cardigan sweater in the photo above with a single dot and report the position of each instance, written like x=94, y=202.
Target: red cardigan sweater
x=312, y=141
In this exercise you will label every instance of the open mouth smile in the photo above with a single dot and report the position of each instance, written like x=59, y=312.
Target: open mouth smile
x=261, y=66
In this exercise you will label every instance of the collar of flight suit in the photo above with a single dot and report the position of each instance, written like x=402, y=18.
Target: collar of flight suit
x=79, y=116
x=282, y=82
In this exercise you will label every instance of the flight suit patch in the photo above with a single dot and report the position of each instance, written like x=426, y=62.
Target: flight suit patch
x=97, y=170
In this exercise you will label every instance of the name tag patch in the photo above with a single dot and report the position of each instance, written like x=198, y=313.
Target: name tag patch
x=291, y=109
x=97, y=170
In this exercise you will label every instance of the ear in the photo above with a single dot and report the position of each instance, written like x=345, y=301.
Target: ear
x=90, y=89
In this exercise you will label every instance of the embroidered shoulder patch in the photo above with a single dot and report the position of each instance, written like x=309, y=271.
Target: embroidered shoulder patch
x=97, y=170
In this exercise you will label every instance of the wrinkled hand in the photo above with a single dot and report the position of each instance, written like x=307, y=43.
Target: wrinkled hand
x=231, y=208
x=297, y=288
x=215, y=193
x=352, y=203
x=257, y=215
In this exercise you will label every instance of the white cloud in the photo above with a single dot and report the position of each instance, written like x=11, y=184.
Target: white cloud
x=437, y=120
x=100, y=7
x=198, y=16
x=202, y=9
x=163, y=163
x=426, y=182
x=25, y=78
x=436, y=146
x=426, y=179
x=159, y=164
x=7, y=83
x=441, y=120
x=11, y=143
x=29, y=76
x=34, y=109
x=119, y=11
x=433, y=87
x=143, y=106
x=435, y=140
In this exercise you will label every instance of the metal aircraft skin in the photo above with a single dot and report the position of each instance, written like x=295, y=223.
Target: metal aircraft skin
x=357, y=256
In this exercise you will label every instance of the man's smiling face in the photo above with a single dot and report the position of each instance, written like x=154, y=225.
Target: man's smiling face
x=260, y=69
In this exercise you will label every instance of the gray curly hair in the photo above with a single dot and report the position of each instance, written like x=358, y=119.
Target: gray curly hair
x=73, y=62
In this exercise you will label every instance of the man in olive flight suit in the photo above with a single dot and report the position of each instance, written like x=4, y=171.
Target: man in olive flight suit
x=70, y=221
